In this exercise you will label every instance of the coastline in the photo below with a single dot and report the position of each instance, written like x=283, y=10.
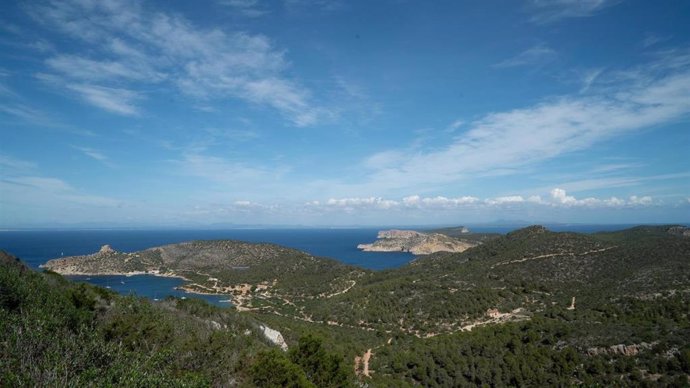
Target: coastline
x=128, y=274
x=184, y=287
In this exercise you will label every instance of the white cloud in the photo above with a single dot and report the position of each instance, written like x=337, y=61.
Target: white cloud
x=370, y=202
x=560, y=125
x=560, y=196
x=610, y=182
x=95, y=154
x=41, y=46
x=557, y=198
x=589, y=78
x=249, y=8
x=536, y=55
x=505, y=200
x=86, y=69
x=120, y=101
x=385, y=159
x=552, y=10
x=452, y=127
x=443, y=202
x=635, y=200
x=27, y=113
x=140, y=47
x=652, y=39
x=42, y=183
x=90, y=152
x=283, y=96
x=214, y=178
x=9, y=164
x=220, y=170
x=297, y=6
x=37, y=191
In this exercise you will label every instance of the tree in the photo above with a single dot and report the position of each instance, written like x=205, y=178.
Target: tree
x=273, y=369
x=321, y=367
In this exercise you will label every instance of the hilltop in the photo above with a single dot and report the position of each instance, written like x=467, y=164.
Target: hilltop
x=531, y=308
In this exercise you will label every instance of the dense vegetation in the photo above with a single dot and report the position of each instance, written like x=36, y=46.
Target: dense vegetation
x=57, y=333
x=532, y=308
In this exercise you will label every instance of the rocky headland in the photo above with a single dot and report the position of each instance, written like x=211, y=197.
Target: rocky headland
x=417, y=243
x=244, y=271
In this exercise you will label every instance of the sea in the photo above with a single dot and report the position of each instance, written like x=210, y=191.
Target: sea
x=35, y=247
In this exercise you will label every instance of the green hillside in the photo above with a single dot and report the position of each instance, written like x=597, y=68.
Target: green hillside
x=57, y=333
x=531, y=308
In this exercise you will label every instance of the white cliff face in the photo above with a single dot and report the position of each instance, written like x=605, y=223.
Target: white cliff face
x=415, y=242
x=274, y=336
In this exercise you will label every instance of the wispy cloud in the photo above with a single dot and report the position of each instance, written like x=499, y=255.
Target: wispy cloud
x=24, y=112
x=546, y=11
x=9, y=164
x=85, y=69
x=540, y=132
x=615, y=181
x=536, y=55
x=588, y=78
x=651, y=39
x=21, y=108
x=39, y=190
x=311, y=5
x=248, y=8
x=37, y=117
x=452, y=127
x=138, y=46
x=94, y=154
x=27, y=195
x=231, y=134
x=116, y=100
x=228, y=175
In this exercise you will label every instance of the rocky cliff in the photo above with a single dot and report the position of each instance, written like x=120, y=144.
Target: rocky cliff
x=415, y=242
x=679, y=230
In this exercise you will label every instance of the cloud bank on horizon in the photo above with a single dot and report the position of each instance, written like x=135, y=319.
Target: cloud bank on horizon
x=126, y=113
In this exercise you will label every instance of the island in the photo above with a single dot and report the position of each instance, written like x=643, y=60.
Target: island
x=417, y=243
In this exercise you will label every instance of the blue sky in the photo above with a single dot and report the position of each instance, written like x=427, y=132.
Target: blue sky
x=326, y=112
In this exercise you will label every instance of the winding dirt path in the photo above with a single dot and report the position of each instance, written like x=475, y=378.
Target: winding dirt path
x=552, y=255
x=354, y=282
x=362, y=364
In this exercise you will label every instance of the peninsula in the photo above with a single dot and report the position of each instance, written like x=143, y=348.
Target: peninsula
x=417, y=243
x=243, y=270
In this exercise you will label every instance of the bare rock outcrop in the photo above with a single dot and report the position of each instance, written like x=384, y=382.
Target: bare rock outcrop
x=679, y=230
x=623, y=350
x=274, y=336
